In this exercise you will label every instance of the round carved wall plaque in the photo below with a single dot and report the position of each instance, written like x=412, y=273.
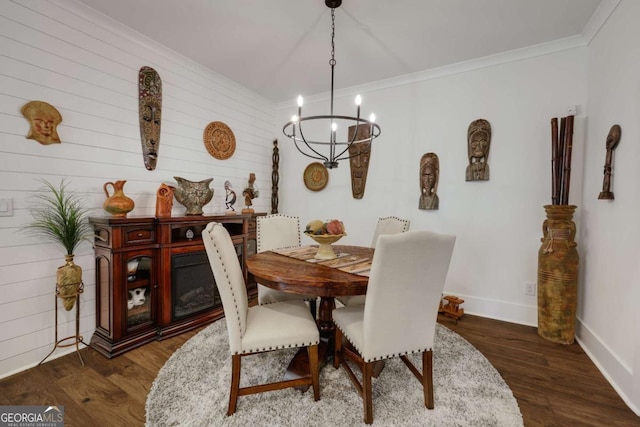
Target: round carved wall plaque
x=219, y=140
x=315, y=176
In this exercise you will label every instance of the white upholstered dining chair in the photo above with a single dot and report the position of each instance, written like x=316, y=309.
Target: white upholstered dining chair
x=260, y=328
x=407, y=277
x=386, y=225
x=273, y=232
x=389, y=225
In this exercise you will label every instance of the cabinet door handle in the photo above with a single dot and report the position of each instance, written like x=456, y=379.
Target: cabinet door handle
x=139, y=234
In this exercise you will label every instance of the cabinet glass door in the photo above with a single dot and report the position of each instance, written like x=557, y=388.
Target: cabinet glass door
x=139, y=288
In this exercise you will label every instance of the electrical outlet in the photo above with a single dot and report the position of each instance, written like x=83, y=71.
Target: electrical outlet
x=6, y=207
x=572, y=109
x=530, y=289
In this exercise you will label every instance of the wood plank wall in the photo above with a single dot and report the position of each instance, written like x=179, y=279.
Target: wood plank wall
x=86, y=66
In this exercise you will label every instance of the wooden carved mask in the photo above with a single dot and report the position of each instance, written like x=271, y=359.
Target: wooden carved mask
x=429, y=176
x=150, y=114
x=43, y=119
x=478, y=144
x=359, y=155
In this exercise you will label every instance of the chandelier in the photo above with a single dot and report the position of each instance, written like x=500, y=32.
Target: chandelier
x=331, y=150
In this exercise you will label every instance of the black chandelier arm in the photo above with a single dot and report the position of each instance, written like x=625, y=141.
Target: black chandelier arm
x=295, y=140
x=318, y=157
x=291, y=135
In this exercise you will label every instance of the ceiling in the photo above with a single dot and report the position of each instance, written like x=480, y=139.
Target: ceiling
x=280, y=48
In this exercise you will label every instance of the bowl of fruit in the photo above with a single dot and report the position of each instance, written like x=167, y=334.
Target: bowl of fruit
x=325, y=233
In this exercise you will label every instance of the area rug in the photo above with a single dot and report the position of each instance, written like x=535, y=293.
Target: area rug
x=192, y=389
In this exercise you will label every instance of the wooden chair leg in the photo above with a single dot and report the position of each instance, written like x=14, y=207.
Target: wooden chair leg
x=427, y=378
x=235, y=383
x=367, y=392
x=312, y=350
x=337, y=348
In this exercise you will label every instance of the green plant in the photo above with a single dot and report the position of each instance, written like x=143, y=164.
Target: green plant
x=60, y=217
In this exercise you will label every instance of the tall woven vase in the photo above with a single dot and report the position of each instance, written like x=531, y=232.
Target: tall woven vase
x=69, y=282
x=558, y=276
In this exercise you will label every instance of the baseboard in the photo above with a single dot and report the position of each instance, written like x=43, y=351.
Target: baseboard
x=616, y=373
x=500, y=310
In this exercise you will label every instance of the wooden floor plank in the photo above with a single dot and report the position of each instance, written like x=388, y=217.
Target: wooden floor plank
x=555, y=385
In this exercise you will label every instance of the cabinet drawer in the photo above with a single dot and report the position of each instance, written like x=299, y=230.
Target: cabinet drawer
x=138, y=235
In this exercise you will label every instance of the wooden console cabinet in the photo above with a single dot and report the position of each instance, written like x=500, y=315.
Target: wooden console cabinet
x=142, y=265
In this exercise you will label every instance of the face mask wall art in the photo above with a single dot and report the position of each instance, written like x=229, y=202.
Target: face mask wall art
x=43, y=120
x=150, y=113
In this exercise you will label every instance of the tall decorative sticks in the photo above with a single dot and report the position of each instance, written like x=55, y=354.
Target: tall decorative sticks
x=561, y=149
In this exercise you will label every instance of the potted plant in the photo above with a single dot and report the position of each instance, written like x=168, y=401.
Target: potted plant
x=60, y=217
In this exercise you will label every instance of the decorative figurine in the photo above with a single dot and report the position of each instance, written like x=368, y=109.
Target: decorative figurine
x=359, y=154
x=249, y=194
x=429, y=174
x=230, y=198
x=193, y=195
x=164, y=201
x=478, y=144
x=43, y=119
x=612, y=142
x=150, y=113
x=452, y=307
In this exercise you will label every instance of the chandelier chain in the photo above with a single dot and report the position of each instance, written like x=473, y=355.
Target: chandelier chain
x=333, y=37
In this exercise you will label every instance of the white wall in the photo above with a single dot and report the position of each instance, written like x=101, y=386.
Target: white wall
x=87, y=67
x=498, y=223
x=610, y=293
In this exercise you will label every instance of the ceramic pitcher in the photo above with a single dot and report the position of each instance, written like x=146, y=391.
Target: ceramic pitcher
x=117, y=204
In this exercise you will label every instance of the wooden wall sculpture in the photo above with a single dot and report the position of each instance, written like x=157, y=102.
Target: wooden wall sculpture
x=43, y=120
x=612, y=142
x=429, y=175
x=150, y=114
x=478, y=144
x=275, y=177
x=359, y=155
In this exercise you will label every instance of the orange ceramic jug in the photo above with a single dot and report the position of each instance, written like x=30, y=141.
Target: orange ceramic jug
x=117, y=204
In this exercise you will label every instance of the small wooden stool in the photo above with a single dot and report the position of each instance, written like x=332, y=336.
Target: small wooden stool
x=452, y=307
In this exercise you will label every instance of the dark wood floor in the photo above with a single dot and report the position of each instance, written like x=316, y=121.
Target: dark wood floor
x=555, y=385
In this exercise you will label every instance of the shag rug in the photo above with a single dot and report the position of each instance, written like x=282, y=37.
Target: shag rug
x=192, y=389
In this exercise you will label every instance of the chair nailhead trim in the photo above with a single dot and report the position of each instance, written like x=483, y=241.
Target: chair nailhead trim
x=389, y=356
x=235, y=300
x=258, y=350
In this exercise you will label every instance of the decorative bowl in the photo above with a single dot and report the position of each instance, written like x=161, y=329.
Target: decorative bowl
x=325, y=251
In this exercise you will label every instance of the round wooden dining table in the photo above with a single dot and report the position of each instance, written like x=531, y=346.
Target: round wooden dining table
x=288, y=274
